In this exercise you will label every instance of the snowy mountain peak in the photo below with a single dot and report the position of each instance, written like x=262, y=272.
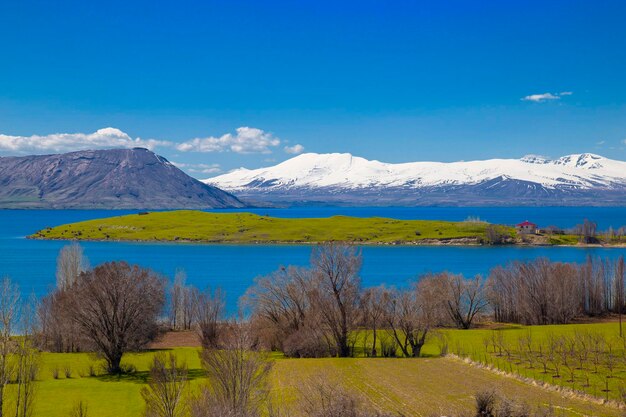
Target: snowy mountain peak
x=535, y=159
x=584, y=160
x=341, y=173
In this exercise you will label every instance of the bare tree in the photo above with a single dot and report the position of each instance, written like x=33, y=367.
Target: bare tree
x=496, y=235
x=59, y=332
x=168, y=382
x=586, y=231
x=209, y=312
x=544, y=292
x=280, y=304
x=373, y=309
x=408, y=320
x=188, y=308
x=71, y=262
x=465, y=298
x=237, y=378
x=116, y=307
x=619, y=290
x=181, y=302
x=177, y=299
x=336, y=290
x=26, y=364
x=9, y=316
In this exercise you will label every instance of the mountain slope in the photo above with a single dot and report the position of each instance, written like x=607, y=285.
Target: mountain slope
x=118, y=178
x=343, y=178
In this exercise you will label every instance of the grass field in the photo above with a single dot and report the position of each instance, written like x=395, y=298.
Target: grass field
x=198, y=226
x=585, y=357
x=415, y=387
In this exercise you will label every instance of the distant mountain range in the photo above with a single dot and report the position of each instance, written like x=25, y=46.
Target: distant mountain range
x=582, y=179
x=112, y=179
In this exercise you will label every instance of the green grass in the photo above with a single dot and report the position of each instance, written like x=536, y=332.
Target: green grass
x=415, y=387
x=505, y=348
x=198, y=226
x=420, y=387
x=564, y=240
x=105, y=396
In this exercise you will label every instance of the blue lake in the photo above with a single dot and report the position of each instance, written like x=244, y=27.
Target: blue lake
x=31, y=263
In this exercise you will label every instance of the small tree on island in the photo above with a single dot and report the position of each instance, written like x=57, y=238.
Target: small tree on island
x=116, y=306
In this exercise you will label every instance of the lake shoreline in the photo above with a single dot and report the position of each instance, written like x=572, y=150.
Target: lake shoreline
x=424, y=242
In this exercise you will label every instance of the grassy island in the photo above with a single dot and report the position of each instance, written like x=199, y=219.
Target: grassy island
x=199, y=226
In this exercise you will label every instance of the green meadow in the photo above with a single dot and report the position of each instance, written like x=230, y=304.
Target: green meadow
x=413, y=387
x=198, y=226
x=589, y=358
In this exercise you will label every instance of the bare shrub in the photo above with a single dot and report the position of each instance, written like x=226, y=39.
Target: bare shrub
x=326, y=398
x=485, y=403
x=237, y=378
x=307, y=342
x=496, y=235
x=79, y=410
x=166, y=387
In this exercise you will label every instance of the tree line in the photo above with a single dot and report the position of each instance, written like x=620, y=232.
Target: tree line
x=314, y=311
x=544, y=292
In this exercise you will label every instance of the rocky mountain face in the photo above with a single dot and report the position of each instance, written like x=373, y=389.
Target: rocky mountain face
x=112, y=179
x=582, y=179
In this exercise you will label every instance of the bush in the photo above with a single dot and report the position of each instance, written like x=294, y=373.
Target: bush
x=328, y=399
x=495, y=235
x=305, y=343
x=485, y=403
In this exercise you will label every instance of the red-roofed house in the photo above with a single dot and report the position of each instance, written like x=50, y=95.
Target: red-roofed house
x=526, y=228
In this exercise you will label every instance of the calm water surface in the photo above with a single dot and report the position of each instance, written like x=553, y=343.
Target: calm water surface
x=31, y=263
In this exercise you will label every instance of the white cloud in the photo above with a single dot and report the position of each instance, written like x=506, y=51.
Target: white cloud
x=245, y=140
x=295, y=149
x=199, y=168
x=538, y=98
x=65, y=142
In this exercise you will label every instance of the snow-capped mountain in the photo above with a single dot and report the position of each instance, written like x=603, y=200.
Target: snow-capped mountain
x=343, y=178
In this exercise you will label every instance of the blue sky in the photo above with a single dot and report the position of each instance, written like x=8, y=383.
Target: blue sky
x=393, y=81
